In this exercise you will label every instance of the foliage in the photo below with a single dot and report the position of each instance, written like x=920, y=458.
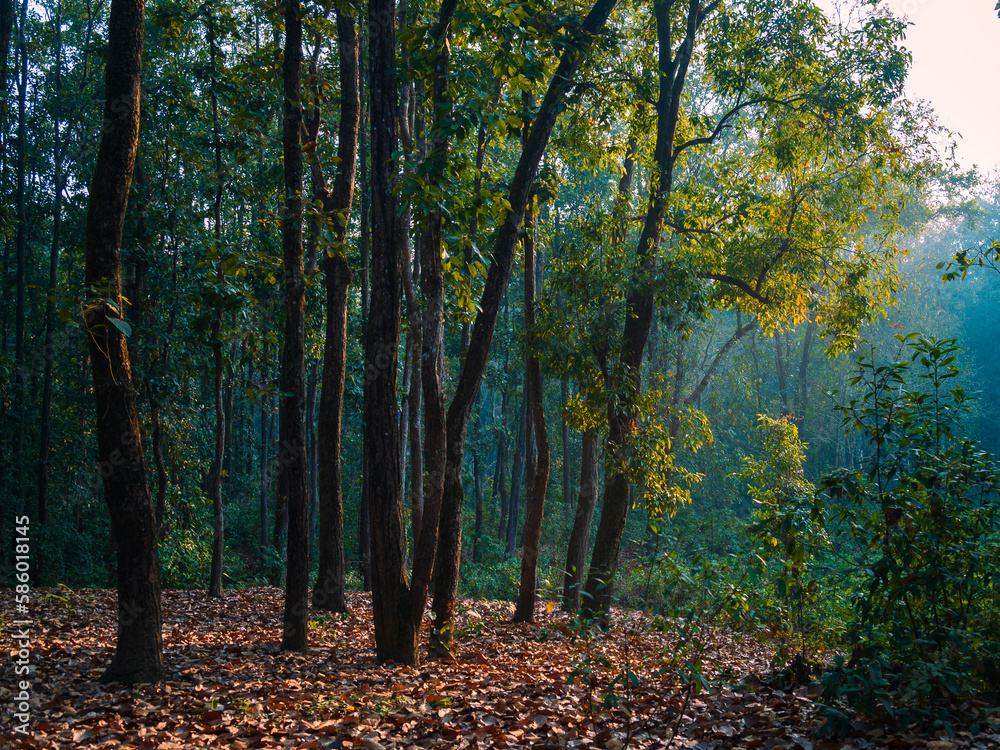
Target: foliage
x=919, y=518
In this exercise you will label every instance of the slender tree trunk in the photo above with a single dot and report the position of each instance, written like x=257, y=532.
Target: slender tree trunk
x=567, y=466
x=477, y=472
x=20, y=260
x=539, y=479
x=138, y=652
x=449, y=549
x=579, y=538
x=803, y=395
x=364, y=532
x=50, y=311
x=218, y=359
x=156, y=395
x=779, y=359
x=517, y=475
x=294, y=468
x=265, y=460
x=312, y=394
x=328, y=592
x=639, y=303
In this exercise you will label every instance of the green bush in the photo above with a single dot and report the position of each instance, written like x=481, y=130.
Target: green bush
x=920, y=517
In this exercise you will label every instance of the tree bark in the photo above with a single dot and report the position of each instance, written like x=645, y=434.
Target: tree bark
x=328, y=592
x=382, y=471
x=539, y=479
x=139, y=648
x=293, y=467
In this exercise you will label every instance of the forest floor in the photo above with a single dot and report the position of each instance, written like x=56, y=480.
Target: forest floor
x=508, y=685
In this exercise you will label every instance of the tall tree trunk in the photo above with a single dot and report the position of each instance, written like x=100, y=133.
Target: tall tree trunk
x=517, y=474
x=567, y=464
x=382, y=470
x=364, y=183
x=218, y=359
x=156, y=394
x=477, y=472
x=579, y=538
x=139, y=648
x=21, y=260
x=539, y=479
x=294, y=468
x=803, y=395
x=265, y=461
x=449, y=549
x=397, y=606
x=50, y=311
x=639, y=303
x=779, y=360
x=328, y=592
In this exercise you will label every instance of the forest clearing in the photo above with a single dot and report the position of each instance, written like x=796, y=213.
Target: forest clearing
x=509, y=686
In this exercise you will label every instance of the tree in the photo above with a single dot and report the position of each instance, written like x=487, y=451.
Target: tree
x=138, y=651
x=467, y=390
x=328, y=592
x=398, y=605
x=292, y=428
x=793, y=105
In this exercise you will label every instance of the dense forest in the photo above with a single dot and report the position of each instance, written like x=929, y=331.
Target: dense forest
x=680, y=307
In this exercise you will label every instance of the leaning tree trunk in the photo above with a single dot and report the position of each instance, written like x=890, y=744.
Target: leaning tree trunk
x=539, y=480
x=328, y=593
x=293, y=466
x=139, y=648
x=639, y=304
x=449, y=549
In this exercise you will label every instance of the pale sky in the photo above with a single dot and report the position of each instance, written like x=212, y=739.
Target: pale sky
x=956, y=68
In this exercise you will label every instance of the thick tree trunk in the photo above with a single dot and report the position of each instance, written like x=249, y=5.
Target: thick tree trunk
x=539, y=479
x=397, y=606
x=138, y=651
x=394, y=636
x=328, y=593
x=579, y=538
x=639, y=303
x=449, y=549
x=293, y=467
